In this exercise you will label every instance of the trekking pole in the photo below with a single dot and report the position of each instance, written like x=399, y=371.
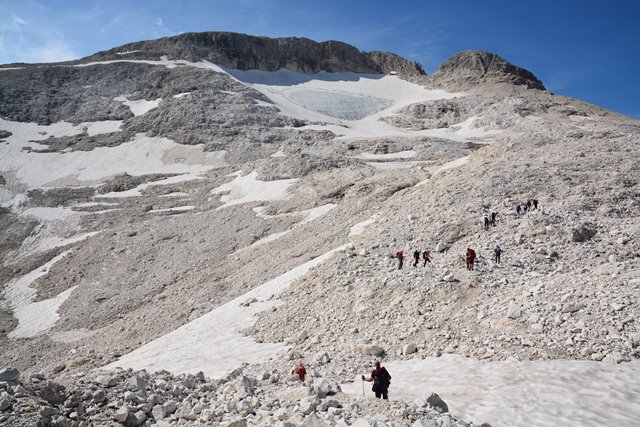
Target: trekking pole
x=363, y=387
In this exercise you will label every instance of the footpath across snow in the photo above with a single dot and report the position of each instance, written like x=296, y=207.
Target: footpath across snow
x=511, y=393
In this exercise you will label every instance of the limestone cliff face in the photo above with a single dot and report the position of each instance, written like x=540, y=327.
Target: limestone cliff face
x=245, y=52
x=472, y=67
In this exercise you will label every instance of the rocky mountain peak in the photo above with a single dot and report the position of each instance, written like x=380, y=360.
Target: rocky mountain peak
x=471, y=67
x=246, y=52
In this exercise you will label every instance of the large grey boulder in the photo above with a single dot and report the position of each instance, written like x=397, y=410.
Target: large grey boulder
x=10, y=374
x=436, y=402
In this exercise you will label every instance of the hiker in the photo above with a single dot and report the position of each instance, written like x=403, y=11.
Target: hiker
x=493, y=218
x=426, y=256
x=300, y=371
x=381, y=381
x=497, y=252
x=535, y=203
x=471, y=257
x=400, y=257
x=486, y=223
x=416, y=258
x=525, y=207
x=529, y=204
x=518, y=209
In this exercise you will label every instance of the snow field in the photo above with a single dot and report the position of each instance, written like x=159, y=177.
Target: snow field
x=511, y=393
x=213, y=343
x=142, y=155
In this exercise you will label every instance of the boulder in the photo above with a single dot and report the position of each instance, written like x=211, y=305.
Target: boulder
x=436, y=402
x=245, y=408
x=121, y=414
x=136, y=382
x=323, y=358
x=5, y=402
x=369, y=349
x=242, y=422
x=10, y=374
x=582, y=233
x=409, y=349
x=572, y=307
x=158, y=412
x=107, y=380
x=313, y=421
x=53, y=393
x=514, y=311
x=308, y=405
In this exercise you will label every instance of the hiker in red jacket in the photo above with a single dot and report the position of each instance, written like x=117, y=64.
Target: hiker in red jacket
x=400, y=257
x=426, y=256
x=471, y=257
x=300, y=371
x=381, y=381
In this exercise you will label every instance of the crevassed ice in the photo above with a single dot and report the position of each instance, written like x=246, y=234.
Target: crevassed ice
x=341, y=105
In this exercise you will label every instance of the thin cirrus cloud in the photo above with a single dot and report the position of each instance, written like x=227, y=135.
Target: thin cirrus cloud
x=24, y=41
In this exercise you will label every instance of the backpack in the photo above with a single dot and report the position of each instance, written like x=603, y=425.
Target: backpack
x=382, y=380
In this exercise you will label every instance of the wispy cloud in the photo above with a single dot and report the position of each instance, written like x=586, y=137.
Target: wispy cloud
x=23, y=41
x=17, y=21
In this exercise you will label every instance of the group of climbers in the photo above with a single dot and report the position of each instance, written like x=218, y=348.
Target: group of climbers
x=529, y=205
x=426, y=257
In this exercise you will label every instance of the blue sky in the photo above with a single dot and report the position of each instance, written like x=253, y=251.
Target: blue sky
x=582, y=48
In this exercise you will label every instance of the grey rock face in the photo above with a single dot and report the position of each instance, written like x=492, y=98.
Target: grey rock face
x=471, y=67
x=245, y=52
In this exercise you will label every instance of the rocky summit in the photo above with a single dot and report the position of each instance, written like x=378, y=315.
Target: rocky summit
x=185, y=220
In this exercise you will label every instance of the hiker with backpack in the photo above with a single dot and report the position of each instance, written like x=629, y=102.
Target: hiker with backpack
x=486, y=222
x=493, y=218
x=381, y=381
x=300, y=371
x=497, y=252
x=535, y=203
x=426, y=256
x=400, y=257
x=416, y=258
x=471, y=257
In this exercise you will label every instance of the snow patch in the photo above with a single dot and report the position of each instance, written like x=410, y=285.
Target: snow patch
x=248, y=188
x=360, y=227
x=213, y=343
x=142, y=155
x=137, y=191
x=407, y=154
x=532, y=393
x=33, y=318
x=140, y=106
x=38, y=317
x=176, y=209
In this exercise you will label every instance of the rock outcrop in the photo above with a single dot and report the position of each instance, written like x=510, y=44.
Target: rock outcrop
x=472, y=67
x=245, y=52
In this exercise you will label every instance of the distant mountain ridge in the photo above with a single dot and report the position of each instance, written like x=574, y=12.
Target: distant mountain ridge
x=240, y=51
x=246, y=52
